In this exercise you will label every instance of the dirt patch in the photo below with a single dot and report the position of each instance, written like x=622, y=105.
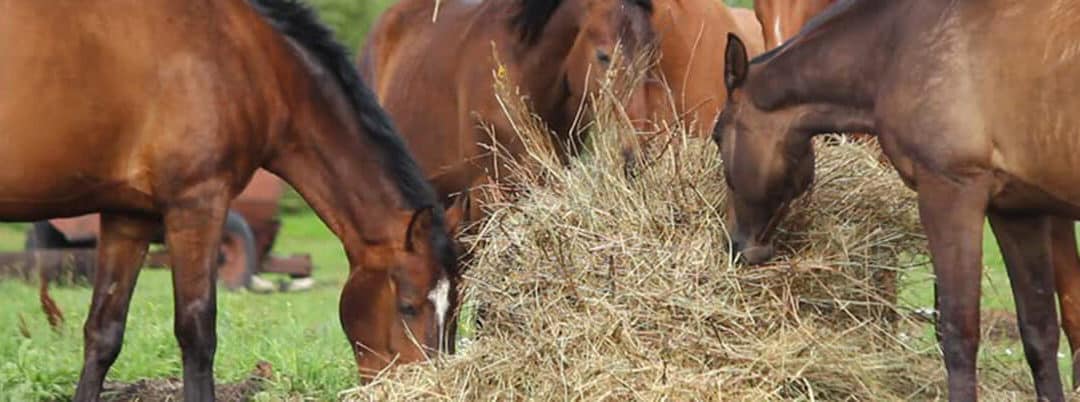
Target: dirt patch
x=170, y=389
x=1000, y=325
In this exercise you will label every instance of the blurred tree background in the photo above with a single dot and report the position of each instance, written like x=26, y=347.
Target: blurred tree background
x=352, y=18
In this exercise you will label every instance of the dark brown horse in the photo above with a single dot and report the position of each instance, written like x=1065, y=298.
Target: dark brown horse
x=157, y=113
x=782, y=19
x=689, y=33
x=979, y=118
x=436, y=78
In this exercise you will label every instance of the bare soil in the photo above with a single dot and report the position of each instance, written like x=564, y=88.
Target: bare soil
x=170, y=389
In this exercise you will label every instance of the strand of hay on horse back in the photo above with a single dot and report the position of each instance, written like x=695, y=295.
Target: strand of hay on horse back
x=592, y=286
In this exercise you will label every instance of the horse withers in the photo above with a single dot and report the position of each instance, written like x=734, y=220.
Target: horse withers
x=157, y=113
x=979, y=118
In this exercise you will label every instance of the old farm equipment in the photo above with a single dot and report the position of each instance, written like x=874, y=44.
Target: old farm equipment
x=60, y=249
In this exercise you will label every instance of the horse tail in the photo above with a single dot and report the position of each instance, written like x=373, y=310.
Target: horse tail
x=52, y=311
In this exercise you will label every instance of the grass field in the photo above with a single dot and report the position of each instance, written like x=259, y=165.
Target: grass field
x=297, y=333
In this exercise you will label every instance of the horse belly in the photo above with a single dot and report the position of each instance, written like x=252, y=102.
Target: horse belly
x=47, y=174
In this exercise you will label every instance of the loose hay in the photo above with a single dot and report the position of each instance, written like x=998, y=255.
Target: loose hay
x=595, y=287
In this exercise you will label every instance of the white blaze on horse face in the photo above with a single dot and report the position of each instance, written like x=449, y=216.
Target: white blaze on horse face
x=440, y=297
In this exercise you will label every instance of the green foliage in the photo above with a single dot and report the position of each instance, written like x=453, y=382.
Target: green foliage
x=350, y=19
x=740, y=3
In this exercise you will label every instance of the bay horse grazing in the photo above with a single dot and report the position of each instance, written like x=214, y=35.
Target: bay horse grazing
x=782, y=19
x=156, y=113
x=979, y=118
x=436, y=78
x=690, y=33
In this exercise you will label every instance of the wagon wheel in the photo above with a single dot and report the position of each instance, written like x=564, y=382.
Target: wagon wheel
x=42, y=236
x=238, y=251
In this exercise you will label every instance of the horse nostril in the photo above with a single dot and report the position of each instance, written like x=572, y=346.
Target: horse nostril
x=603, y=57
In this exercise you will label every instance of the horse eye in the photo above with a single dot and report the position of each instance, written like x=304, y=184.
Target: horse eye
x=604, y=58
x=408, y=310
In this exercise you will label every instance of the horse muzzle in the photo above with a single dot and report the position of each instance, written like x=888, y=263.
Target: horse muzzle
x=751, y=252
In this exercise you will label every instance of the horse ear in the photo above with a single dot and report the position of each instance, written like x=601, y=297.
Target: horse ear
x=419, y=226
x=736, y=63
x=457, y=215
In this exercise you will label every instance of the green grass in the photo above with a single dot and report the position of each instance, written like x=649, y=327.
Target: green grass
x=297, y=333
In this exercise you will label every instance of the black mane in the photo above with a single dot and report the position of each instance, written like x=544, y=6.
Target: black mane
x=300, y=23
x=533, y=15
x=832, y=11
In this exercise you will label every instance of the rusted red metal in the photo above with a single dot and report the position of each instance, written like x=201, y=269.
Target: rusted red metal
x=79, y=228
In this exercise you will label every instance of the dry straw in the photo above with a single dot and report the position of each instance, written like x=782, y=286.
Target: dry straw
x=591, y=286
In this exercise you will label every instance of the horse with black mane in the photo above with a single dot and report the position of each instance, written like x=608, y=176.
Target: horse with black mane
x=156, y=113
x=974, y=104
x=436, y=80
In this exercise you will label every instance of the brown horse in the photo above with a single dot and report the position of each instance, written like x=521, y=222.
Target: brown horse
x=979, y=119
x=156, y=113
x=355, y=308
x=782, y=19
x=554, y=50
x=750, y=30
x=689, y=34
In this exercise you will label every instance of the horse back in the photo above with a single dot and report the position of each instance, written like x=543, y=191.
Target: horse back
x=424, y=73
x=114, y=105
x=992, y=91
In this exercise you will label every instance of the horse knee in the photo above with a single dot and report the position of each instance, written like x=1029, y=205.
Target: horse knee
x=959, y=345
x=103, y=344
x=196, y=333
x=1041, y=335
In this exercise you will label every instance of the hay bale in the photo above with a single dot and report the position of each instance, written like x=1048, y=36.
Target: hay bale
x=592, y=286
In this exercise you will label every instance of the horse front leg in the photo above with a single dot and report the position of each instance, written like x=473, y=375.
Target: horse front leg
x=121, y=250
x=952, y=213
x=193, y=232
x=1025, y=244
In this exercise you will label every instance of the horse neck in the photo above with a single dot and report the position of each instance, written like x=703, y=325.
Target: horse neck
x=781, y=20
x=774, y=19
x=838, y=63
x=324, y=155
x=542, y=80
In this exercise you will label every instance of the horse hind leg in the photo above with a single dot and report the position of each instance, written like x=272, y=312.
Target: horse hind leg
x=121, y=251
x=1067, y=282
x=1025, y=244
x=193, y=233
